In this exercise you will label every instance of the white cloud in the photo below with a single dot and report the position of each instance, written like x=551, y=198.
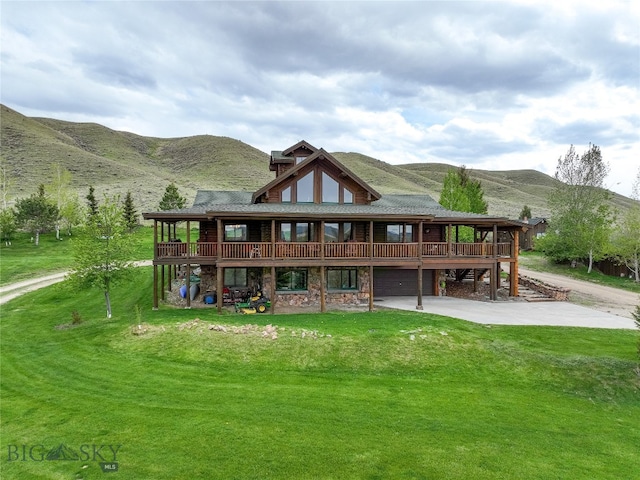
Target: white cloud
x=495, y=85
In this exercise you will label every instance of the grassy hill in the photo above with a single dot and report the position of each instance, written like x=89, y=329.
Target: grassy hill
x=117, y=162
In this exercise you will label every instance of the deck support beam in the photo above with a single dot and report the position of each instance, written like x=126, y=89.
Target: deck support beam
x=323, y=306
x=155, y=287
x=419, y=306
x=513, y=266
x=219, y=287
x=371, y=288
x=273, y=289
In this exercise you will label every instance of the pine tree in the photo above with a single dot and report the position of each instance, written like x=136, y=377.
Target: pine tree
x=525, y=213
x=172, y=200
x=130, y=213
x=92, y=202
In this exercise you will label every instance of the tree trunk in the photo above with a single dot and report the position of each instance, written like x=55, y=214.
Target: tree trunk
x=37, y=238
x=108, y=301
x=590, y=261
x=637, y=270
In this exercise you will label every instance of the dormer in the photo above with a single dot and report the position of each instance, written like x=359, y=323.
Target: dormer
x=281, y=161
x=310, y=175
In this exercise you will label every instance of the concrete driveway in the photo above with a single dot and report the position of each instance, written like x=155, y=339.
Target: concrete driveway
x=561, y=314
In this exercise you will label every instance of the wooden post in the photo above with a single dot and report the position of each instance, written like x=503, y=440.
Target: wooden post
x=219, y=238
x=219, y=286
x=371, y=253
x=155, y=287
x=371, y=284
x=322, y=240
x=419, y=306
x=188, y=283
x=323, y=306
x=513, y=270
x=162, y=282
x=188, y=239
x=273, y=246
x=496, y=279
x=273, y=289
x=449, y=228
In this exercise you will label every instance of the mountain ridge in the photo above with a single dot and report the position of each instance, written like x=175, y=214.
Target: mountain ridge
x=114, y=162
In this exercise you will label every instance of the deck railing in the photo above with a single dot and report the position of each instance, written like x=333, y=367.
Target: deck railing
x=241, y=250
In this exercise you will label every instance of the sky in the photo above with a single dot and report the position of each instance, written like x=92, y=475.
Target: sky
x=490, y=85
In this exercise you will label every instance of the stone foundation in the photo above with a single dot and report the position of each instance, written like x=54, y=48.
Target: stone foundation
x=306, y=298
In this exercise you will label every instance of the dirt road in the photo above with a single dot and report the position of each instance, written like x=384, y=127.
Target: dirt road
x=9, y=292
x=599, y=297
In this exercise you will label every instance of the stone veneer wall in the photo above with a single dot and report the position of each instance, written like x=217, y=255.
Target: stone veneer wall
x=309, y=297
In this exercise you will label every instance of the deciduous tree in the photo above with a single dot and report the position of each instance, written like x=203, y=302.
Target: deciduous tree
x=36, y=214
x=102, y=253
x=5, y=183
x=625, y=242
x=59, y=191
x=8, y=225
x=462, y=194
x=581, y=217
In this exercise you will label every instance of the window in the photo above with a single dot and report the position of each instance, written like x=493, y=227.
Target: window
x=286, y=195
x=304, y=232
x=331, y=232
x=235, y=233
x=285, y=232
x=300, y=159
x=338, y=232
x=342, y=278
x=401, y=233
x=304, y=190
x=297, y=232
x=235, y=277
x=330, y=189
x=348, y=196
x=291, y=279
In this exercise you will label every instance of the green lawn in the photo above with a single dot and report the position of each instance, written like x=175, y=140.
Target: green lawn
x=24, y=260
x=386, y=395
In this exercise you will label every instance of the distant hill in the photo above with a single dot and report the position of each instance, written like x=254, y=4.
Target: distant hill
x=117, y=162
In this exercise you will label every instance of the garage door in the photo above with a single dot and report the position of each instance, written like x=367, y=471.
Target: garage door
x=389, y=282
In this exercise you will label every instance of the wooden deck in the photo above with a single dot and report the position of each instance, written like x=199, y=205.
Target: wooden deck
x=203, y=252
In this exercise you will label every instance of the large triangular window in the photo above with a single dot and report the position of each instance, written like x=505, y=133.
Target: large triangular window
x=304, y=189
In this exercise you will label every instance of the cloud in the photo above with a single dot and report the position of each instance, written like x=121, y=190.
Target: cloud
x=479, y=83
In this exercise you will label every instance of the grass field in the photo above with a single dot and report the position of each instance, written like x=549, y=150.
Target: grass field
x=386, y=395
x=23, y=260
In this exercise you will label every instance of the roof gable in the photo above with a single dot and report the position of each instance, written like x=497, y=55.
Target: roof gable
x=317, y=156
x=301, y=144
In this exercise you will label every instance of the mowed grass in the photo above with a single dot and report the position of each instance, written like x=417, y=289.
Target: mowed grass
x=360, y=395
x=24, y=260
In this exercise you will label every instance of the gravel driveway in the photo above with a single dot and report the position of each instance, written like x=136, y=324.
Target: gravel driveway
x=599, y=297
